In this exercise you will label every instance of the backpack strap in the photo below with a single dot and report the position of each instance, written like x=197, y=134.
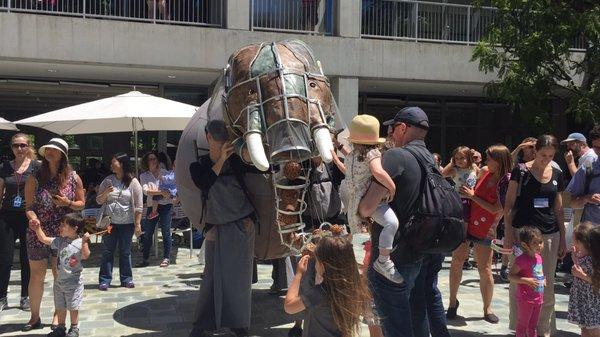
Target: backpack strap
x=418, y=158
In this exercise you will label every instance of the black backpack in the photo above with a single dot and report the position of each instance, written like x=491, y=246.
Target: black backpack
x=436, y=224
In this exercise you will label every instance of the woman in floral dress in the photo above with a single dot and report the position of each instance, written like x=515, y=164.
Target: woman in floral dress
x=52, y=192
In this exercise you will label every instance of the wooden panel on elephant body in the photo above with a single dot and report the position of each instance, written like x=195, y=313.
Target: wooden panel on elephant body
x=268, y=241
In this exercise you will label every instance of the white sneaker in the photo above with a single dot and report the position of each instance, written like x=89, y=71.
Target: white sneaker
x=388, y=270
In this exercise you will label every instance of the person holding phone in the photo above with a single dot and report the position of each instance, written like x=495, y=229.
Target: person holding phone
x=53, y=191
x=121, y=192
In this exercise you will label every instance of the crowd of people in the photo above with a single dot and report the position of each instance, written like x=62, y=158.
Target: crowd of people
x=515, y=196
x=42, y=203
x=513, y=199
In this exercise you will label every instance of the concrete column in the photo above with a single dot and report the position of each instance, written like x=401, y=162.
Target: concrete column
x=345, y=92
x=348, y=18
x=237, y=14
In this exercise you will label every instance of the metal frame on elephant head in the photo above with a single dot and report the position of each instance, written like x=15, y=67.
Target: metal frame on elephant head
x=257, y=124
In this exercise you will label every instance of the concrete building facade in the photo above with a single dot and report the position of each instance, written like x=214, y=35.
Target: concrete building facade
x=379, y=55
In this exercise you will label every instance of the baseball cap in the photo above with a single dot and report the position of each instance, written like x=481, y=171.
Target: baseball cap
x=412, y=115
x=576, y=136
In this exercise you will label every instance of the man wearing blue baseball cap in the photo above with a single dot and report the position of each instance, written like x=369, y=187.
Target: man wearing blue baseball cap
x=585, y=185
x=411, y=116
x=577, y=147
x=414, y=307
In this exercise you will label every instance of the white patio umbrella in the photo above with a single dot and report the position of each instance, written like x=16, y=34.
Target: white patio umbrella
x=7, y=125
x=130, y=112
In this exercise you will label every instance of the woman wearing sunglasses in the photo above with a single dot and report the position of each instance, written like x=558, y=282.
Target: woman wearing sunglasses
x=13, y=222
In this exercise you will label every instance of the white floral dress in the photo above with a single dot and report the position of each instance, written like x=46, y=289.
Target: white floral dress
x=584, y=304
x=358, y=177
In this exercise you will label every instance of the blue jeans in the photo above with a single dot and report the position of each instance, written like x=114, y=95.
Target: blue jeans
x=121, y=235
x=393, y=300
x=149, y=226
x=426, y=300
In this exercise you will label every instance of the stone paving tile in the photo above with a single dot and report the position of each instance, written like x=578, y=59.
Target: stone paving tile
x=163, y=302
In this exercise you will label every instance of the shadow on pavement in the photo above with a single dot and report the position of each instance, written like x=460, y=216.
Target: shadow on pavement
x=175, y=314
x=191, y=280
x=559, y=288
x=157, y=334
x=462, y=333
x=5, y=328
x=16, y=327
x=461, y=321
x=561, y=315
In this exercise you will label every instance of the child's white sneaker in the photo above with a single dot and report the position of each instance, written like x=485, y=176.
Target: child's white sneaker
x=388, y=270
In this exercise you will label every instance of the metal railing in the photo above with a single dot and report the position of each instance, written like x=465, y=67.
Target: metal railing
x=425, y=21
x=297, y=16
x=429, y=21
x=187, y=12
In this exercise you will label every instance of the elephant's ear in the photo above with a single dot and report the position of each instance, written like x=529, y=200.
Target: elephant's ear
x=216, y=107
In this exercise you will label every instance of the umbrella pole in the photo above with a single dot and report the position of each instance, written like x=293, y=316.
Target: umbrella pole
x=135, y=146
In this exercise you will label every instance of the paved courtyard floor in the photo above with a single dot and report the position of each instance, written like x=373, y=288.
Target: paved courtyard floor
x=163, y=302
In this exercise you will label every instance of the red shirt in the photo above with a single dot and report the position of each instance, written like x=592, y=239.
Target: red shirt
x=480, y=219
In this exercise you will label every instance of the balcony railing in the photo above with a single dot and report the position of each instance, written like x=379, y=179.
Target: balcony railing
x=296, y=16
x=187, y=12
x=429, y=21
x=425, y=21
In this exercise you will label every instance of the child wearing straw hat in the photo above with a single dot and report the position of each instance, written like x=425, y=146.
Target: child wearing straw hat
x=363, y=164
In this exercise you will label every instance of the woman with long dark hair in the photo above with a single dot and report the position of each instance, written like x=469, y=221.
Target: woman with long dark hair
x=53, y=191
x=13, y=222
x=122, y=194
x=484, y=214
x=533, y=199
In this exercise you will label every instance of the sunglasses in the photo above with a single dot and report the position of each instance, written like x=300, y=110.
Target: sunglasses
x=392, y=127
x=20, y=146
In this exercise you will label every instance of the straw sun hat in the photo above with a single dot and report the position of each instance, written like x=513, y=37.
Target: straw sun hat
x=56, y=143
x=364, y=129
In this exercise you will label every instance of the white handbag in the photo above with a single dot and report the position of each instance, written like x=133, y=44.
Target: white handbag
x=102, y=220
